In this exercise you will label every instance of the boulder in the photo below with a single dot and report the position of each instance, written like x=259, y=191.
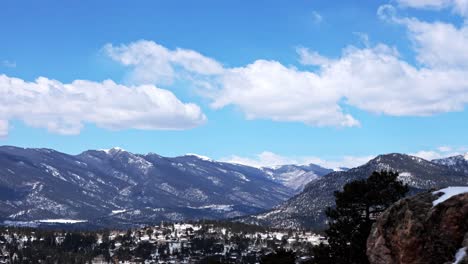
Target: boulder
x=430, y=227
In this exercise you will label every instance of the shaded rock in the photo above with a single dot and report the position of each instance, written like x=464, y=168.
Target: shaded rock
x=413, y=230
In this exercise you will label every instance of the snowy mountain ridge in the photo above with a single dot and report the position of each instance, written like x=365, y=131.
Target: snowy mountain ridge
x=115, y=185
x=307, y=209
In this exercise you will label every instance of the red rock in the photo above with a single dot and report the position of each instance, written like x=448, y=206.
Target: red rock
x=413, y=231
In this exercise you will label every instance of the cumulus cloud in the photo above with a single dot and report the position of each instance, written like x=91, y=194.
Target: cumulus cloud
x=3, y=128
x=458, y=6
x=154, y=63
x=308, y=57
x=270, y=90
x=65, y=108
x=386, y=12
x=263, y=159
x=268, y=159
x=374, y=78
x=440, y=152
x=438, y=44
x=444, y=149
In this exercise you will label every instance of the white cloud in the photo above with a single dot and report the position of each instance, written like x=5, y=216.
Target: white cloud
x=268, y=159
x=65, y=108
x=363, y=38
x=307, y=57
x=8, y=64
x=269, y=90
x=386, y=12
x=458, y=6
x=317, y=18
x=375, y=78
x=263, y=159
x=439, y=45
x=425, y=3
x=343, y=162
x=3, y=128
x=439, y=153
x=154, y=63
x=444, y=149
x=371, y=79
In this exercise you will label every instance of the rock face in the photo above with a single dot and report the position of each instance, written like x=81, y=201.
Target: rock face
x=420, y=229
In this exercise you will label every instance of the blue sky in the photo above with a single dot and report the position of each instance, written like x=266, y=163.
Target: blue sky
x=258, y=82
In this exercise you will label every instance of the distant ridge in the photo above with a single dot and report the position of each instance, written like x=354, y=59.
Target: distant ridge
x=307, y=209
x=117, y=186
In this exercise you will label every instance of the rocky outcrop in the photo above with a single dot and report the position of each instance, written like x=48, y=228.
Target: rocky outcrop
x=431, y=227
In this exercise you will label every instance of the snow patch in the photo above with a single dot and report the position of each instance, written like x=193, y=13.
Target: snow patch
x=461, y=253
x=141, y=164
x=216, y=207
x=466, y=156
x=62, y=221
x=408, y=178
x=241, y=176
x=263, y=216
x=448, y=193
x=118, y=211
x=199, y=156
x=114, y=149
x=53, y=171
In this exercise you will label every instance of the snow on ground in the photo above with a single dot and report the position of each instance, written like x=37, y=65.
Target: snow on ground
x=199, y=156
x=118, y=211
x=116, y=149
x=216, y=207
x=406, y=178
x=241, y=176
x=461, y=253
x=448, y=193
x=263, y=216
x=62, y=221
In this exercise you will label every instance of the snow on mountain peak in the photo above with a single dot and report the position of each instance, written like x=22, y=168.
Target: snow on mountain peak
x=114, y=149
x=199, y=156
x=466, y=156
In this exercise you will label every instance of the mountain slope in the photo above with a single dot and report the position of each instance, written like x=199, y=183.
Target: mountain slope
x=458, y=163
x=116, y=185
x=307, y=209
x=296, y=176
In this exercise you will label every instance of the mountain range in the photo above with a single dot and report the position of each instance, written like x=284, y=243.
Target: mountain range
x=307, y=209
x=118, y=187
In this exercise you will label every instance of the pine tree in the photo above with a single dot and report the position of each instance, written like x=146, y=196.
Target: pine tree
x=350, y=222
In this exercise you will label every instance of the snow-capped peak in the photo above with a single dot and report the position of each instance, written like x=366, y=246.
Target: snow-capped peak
x=114, y=149
x=199, y=156
x=466, y=156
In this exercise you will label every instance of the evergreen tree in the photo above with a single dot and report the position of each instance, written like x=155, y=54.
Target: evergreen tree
x=350, y=222
x=281, y=256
